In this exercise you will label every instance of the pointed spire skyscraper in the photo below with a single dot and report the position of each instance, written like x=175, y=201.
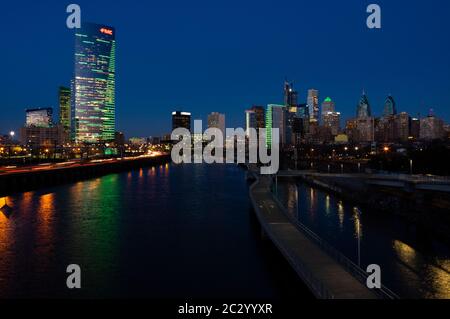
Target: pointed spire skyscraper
x=363, y=109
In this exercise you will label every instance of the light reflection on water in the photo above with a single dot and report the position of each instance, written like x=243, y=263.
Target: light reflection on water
x=419, y=269
x=160, y=232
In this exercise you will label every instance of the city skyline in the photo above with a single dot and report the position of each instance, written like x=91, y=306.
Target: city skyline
x=146, y=115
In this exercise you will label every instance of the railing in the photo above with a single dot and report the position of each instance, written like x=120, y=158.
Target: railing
x=318, y=288
x=351, y=267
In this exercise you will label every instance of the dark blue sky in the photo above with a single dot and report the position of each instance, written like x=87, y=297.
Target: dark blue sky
x=204, y=56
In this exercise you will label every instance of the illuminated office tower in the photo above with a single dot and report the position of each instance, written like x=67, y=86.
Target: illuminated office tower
x=363, y=109
x=303, y=114
x=275, y=118
x=332, y=120
x=64, y=97
x=415, y=128
x=259, y=116
x=93, y=100
x=403, y=127
x=217, y=120
x=431, y=127
x=328, y=106
x=389, y=107
x=291, y=115
x=250, y=121
x=313, y=105
x=290, y=95
x=40, y=117
x=181, y=120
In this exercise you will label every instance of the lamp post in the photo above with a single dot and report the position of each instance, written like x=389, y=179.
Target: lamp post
x=11, y=134
x=411, y=167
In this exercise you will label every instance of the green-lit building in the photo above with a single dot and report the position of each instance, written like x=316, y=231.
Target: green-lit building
x=64, y=108
x=93, y=86
x=275, y=118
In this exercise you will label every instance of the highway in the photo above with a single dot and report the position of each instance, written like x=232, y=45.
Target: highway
x=8, y=170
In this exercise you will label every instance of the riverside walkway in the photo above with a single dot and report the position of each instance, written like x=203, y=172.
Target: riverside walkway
x=325, y=277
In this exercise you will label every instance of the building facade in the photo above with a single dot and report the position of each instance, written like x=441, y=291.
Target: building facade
x=313, y=105
x=275, y=118
x=290, y=95
x=40, y=117
x=328, y=106
x=250, y=121
x=42, y=136
x=390, y=107
x=431, y=128
x=181, y=120
x=217, y=120
x=93, y=98
x=363, y=109
x=332, y=120
x=64, y=99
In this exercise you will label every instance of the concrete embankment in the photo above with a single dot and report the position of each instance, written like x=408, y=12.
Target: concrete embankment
x=325, y=277
x=21, y=180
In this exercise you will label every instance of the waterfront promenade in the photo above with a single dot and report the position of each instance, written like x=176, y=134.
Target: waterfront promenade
x=326, y=278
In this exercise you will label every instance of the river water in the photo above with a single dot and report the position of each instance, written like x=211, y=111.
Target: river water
x=161, y=232
x=414, y=263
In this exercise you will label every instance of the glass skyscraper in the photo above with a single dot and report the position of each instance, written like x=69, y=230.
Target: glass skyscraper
x=93, y=86
x=290, y=95
x=389, y=106
x=313, y=105
x=64, y=97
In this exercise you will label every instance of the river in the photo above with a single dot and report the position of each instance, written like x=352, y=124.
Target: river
x=414, y=263
x=160, y=232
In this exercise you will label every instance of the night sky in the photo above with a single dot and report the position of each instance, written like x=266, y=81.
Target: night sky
x=224, y=56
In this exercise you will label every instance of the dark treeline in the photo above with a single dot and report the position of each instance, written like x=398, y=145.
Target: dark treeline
x=433, y=159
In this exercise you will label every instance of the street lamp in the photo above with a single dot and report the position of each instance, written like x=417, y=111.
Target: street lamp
x=11, y=134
